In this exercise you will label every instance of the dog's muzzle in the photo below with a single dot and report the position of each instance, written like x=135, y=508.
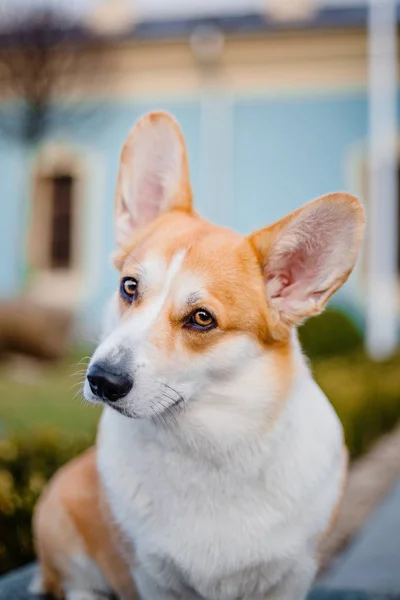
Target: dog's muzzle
x=108, y=384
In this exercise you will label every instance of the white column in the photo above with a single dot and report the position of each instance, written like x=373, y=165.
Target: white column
x=216, y=127
x=216, y=154
x=382, y=196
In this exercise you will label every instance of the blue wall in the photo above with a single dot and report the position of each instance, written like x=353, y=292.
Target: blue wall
x=290, y=151
x=286, y=151
x=13, y=169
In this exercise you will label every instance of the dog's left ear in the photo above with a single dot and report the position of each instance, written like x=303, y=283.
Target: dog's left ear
x=308, y=255
x=153, y=175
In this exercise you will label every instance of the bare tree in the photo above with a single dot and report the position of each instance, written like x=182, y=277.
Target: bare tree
x=43, y=56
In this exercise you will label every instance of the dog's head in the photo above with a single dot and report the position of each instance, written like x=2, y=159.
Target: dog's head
x=204, y=315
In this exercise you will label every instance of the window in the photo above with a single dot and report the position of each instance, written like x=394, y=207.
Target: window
x=61, y=206
x=53, y=230
x=56, y=250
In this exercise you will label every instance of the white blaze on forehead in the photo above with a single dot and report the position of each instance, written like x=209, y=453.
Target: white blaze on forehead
x=153, y=273
x=190, y=290
x=153, y=310
x=155, y=276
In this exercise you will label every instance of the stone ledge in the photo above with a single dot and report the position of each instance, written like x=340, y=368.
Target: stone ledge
x=371, y=477
x=15, y=587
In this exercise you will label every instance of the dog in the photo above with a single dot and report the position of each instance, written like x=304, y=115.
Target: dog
x=219, y=464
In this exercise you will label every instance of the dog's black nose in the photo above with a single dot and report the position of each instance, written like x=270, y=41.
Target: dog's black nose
x=107, y=384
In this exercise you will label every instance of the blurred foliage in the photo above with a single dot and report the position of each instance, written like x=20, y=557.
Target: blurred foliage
x=26, y=463
x=365, y=394
x=332, y=333
x=44, y=423
x=36, y=395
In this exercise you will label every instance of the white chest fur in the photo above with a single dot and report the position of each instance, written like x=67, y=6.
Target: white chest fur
x=212, y=521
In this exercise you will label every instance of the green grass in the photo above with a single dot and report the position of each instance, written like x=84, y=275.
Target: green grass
x=45, y=396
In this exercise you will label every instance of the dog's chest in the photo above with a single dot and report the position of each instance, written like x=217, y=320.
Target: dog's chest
x=201, y=520
x=214, y=529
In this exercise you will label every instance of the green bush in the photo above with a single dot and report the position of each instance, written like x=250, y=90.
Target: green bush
x=365, y=394
x=332, y=333
x=26, y=463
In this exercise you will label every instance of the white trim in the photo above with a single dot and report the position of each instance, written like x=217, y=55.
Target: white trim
x=382, y=321
x=355, y=164
x=356, y=178
x=216, y=154
x=72, y=287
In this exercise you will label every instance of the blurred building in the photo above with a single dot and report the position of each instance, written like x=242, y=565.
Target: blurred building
x=274, y=108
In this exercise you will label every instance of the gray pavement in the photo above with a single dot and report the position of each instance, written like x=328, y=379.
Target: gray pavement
x=372, y=562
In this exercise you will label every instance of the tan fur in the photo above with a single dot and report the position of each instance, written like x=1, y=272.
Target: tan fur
x=72, y=516
x=238, y=297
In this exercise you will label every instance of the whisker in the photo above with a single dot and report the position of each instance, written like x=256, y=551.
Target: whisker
x=80, y=378
x=78, y=384
x=167, y=408
x=156, y=416
x=162, y=414
x=86, y=338
x=77, y=390
x=170, y=409
x=81, y=361
x=77, y=373
x=181, y=398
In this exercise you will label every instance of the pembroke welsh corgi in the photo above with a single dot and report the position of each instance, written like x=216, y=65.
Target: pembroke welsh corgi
x=219, y=463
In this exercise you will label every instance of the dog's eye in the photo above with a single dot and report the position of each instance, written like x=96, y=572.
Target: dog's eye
x=129, y=289
x=201, y=319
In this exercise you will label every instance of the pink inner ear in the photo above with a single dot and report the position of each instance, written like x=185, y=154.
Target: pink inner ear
x=150, y=198
x=277, y=283
x=294, y=274
x=312, y=255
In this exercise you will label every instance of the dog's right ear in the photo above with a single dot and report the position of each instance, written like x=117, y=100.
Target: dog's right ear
x=153, y=175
